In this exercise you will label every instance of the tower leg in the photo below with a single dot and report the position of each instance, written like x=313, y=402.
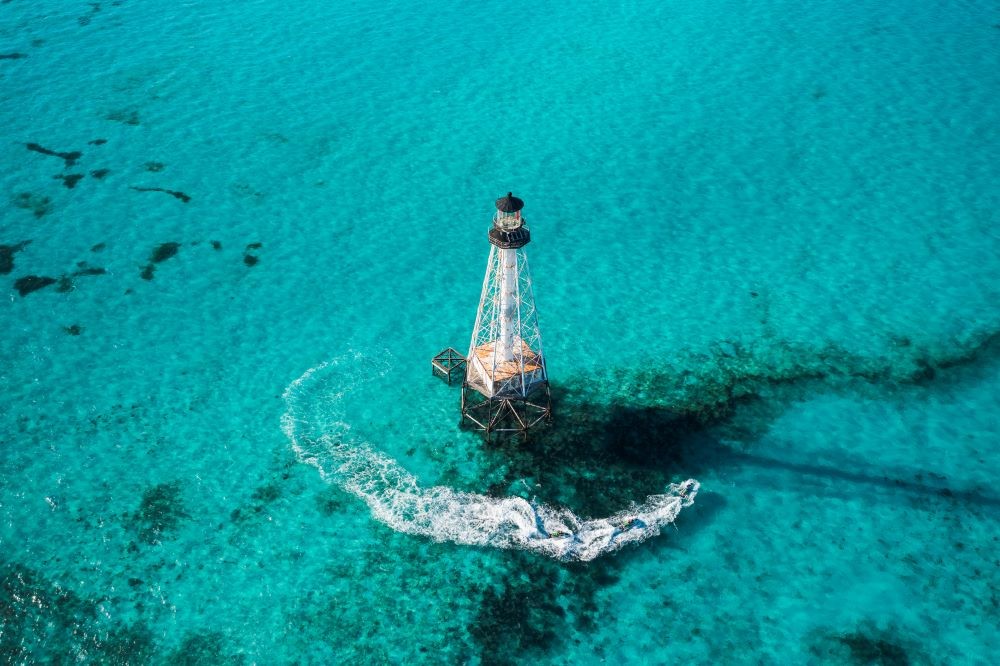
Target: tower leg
x=548, y=404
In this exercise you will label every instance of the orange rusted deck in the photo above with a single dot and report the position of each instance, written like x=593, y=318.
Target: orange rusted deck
x=504, y=370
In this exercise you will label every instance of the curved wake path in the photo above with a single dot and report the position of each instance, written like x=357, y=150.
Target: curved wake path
x=313, y=423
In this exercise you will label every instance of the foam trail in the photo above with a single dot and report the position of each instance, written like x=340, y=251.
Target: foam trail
x=314, y=424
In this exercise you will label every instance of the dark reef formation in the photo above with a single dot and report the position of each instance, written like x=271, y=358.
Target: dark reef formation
x=86, y=18
x=330, y=501
x=251, y=259
x=66, y=283
x=99, y=174
x=44, y=617
x=517, y=620
x=203, y=647
x=164, y=251
x=7, y=253
x=266, y=493
x=38, y=204
x=12, y=56
x=174, y=193
x=34, y=609
x=69, y=158
x=32, y=283
x=160, y=512
x=531, y=614
x=124, y=116
x=69, y=180
x=260, y=498
x=706, y=385
x=868, y=645
x=154, y=167
x=160, y=253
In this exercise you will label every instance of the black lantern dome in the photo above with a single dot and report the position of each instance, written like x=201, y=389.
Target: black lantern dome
x=509, y=204
x=509, y=232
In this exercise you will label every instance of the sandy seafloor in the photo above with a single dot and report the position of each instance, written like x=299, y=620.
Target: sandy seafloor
x=766, y=255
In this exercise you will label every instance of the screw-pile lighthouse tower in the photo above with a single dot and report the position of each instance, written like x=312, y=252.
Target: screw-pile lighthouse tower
x=506, y=387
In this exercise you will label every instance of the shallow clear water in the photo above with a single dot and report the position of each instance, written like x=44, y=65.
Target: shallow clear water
x=766, y=256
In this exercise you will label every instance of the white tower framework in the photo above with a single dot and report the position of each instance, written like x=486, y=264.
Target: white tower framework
x=506, y=387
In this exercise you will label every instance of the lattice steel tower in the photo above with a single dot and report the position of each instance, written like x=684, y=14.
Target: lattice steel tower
x=506, y=387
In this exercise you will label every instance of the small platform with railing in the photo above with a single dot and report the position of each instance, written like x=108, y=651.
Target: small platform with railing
x=448, y=364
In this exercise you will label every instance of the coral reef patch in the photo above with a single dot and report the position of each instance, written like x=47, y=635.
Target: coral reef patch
x=69, y=158
x=174, y=193
x=33, y=610
x=164, y=251
x=160, y=512
x=7, y=253
x=868, y=645
x=38, y=204
x=124, y=116
x=69, y=180
x=203, y=647
x=531, y=612
x=44, y=616
x=32, y=283
x=160, y=253
x=706, y=385
x=251, y=259
x=89, y=270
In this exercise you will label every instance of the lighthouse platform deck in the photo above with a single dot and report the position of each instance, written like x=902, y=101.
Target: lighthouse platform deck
x=504, y=370
x=493, y=377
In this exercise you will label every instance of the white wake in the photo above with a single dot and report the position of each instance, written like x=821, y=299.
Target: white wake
x=320, y=437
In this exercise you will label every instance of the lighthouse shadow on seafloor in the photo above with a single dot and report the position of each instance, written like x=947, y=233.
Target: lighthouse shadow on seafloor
x=603, y=456
x=600, y=457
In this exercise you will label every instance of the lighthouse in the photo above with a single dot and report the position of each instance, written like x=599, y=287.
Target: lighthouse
x=506, y=385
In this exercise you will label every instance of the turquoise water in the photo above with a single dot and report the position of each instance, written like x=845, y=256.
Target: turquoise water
x=765, y=254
